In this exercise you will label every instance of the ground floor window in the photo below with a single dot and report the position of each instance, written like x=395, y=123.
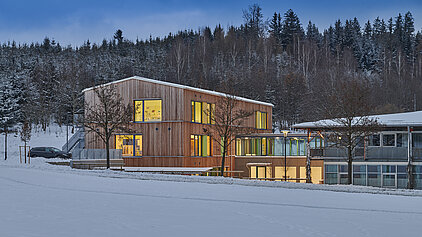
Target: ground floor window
x=131, y=145
x=200, y=145
x=261, y=172
x=376, y=175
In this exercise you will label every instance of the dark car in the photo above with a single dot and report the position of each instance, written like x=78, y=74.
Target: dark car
x=48, y=152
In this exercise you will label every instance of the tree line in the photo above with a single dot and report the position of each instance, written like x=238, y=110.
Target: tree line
x=279, y=59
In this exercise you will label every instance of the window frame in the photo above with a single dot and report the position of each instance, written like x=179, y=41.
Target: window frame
x=143, y=110
x=209, y=118
x=259, y=121
x=133, y=143
x=198, y=146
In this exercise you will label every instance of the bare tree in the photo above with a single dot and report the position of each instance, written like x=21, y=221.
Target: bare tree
x=25, y=135
x=349, y=124
x=107, y=116
x=227, y=121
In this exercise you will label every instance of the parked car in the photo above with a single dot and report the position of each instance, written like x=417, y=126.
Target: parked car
x=48, y=152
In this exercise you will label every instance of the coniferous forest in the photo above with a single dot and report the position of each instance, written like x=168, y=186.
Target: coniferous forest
x=277, y=59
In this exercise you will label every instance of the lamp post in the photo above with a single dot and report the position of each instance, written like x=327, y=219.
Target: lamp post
x=285, y=154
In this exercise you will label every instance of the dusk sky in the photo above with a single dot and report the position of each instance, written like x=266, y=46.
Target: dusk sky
x=73, y=22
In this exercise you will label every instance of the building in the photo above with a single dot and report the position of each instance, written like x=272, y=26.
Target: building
x=382, y=159
x=169, y=120
x=278, y=157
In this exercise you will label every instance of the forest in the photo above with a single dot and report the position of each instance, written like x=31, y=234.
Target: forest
x=276, y=59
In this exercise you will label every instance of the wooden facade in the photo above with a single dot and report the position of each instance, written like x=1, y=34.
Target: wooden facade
x=166, y=143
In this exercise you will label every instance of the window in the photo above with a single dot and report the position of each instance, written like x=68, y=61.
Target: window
x=131, y=145
x=147, y=110
x=417, y=140
x=260, y=172
x=402, y=140
x=388, y=139
x=374, y=140
x=200, y=145
x=260, y=120
x=331, y=174
x=202, y=112
x=359, y=175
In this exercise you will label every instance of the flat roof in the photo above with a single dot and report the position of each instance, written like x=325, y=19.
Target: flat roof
x=413, y=119
x=180, y=86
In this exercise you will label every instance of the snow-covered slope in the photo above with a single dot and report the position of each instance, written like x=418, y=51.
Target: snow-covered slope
x=46, y=200
x=37, y=202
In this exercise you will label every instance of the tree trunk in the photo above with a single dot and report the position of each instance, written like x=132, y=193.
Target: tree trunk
x=223, y=159
x=349, y=165
x=5, y=144
x=108, y=153
x=308, y=162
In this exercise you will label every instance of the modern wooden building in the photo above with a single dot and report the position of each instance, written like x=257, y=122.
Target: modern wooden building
x=169, y=121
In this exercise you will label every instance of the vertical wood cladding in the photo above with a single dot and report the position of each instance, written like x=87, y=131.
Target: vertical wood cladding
x=167, y=143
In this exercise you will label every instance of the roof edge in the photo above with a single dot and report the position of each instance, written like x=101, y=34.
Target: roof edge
x=178, y=86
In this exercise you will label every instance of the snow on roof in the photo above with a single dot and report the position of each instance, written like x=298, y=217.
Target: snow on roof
x=180, y=86
x=388, y=120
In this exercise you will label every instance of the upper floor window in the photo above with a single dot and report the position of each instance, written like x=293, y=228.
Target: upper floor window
x=202, y=112
x=148, y=110
x=260, y=120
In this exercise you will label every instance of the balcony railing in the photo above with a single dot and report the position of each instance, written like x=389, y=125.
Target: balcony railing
x=371, y=152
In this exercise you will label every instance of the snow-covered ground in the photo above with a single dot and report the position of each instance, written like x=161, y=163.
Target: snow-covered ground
x=47, y=200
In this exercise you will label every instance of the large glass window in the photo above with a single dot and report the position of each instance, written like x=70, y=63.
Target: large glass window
x=131, y=145
x=202, y=112
x=260, y=120
x=374, y=175
x=147, y=110
x=201, y=145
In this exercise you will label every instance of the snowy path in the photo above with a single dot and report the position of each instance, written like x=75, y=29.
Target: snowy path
x=37, y=202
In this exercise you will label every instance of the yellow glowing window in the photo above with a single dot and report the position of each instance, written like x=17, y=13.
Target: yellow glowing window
x=212, y=113
x=138, y=111
x=198, y=112
x=147, y=110
x=193, y=111
x=202, y=112
x=205, y=113
x=131, y=145
x=260, y=120
x=291, y=173
x=138, y=145
x=200, y=145
x=152, y=110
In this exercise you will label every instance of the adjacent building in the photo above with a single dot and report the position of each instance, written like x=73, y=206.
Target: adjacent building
x=382, y=160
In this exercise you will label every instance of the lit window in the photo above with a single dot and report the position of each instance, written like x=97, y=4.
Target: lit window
x=198, y=109
x=147, y=110
x=260, y=120
x=201, y=145
x=139, y=110
x=202, y=112
x=131, y=145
